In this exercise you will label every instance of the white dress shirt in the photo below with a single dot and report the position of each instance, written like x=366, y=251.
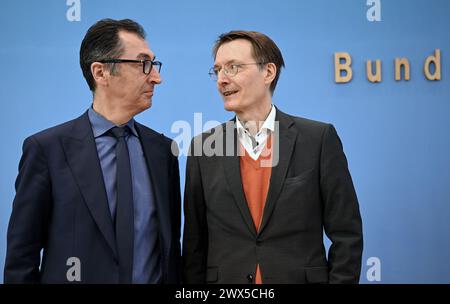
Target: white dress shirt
x=255, y=145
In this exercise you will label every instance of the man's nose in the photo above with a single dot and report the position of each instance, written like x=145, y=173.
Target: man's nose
x=155, y=76
x=222, y=77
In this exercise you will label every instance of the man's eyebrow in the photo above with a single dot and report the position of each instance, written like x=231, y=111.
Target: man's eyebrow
x=145, y=56
x=226, y=63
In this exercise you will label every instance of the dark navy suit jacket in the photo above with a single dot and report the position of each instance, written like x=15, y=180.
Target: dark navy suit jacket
x=61, y=208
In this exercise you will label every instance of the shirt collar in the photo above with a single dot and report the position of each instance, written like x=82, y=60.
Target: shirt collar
x=269, y=123
x=100, y=125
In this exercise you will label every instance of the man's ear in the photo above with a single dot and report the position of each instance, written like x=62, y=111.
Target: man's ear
x=100, y=73
x=271, y=72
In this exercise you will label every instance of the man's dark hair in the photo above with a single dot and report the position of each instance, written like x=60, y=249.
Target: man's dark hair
x=102, y=41
x=264, y=49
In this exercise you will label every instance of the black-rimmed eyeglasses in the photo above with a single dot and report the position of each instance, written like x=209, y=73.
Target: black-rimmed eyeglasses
x=147, y=64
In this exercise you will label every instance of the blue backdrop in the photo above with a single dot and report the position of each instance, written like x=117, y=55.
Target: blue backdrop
x=395, y=134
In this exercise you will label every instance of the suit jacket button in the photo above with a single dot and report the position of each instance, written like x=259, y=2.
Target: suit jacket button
x=250, y=278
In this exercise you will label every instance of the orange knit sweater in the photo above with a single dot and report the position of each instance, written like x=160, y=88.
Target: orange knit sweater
x=255, y=175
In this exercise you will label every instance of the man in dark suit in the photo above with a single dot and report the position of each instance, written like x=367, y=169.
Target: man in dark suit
x=262, y=188
x=99, y=195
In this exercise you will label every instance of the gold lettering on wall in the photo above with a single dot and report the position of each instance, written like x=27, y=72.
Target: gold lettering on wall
x=370, y=75
x=399, y=63
x=342, y=67
x=343, y=72
x=436, y=60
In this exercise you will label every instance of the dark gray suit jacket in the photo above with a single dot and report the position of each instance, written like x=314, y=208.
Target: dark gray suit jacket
x=310, y=191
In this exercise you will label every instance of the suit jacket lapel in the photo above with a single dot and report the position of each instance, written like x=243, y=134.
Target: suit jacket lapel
x=82, y=157
x=284, y=141
x=156, y=159
x=232, y=169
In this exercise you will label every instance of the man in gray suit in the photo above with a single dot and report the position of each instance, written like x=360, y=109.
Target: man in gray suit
x=257, y=214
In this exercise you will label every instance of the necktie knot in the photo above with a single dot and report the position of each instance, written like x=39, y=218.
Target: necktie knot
x=119, y=132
